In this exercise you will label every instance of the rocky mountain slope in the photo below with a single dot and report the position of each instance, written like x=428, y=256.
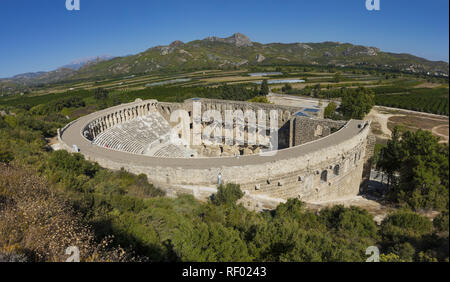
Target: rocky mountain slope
x=236, y=51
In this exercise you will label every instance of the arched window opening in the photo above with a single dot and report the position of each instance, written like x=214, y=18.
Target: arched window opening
x=336, y=170
x=324, y=176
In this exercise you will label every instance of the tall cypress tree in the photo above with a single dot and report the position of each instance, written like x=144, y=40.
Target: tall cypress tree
x=264, y=88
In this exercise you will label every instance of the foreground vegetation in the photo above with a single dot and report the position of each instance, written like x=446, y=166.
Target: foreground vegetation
x=156, y=228
x=417, y=167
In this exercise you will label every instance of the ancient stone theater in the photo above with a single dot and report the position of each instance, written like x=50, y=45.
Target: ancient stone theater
x=314, y=159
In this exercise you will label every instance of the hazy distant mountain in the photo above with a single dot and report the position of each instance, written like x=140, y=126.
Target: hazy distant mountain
x=28, y=75
x=75, y=65
x=235, y=51
x=63, y=73
x=42, y=77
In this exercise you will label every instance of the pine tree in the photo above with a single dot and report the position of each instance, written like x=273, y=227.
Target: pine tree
x=264, y=88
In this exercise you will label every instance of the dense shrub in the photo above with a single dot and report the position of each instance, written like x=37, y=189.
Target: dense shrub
x=57, y=105
x=407, y=236
x=441, y=221
x=227, y=194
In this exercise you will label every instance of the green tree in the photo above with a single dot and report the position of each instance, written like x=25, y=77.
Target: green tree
x=418, y=170
x=255, y=90
x=330, y=110
x=357, y=103
x=227, y=194
x=389, y=161
x=337, y=77
x=351, y=222
x=264, y=88
x=316, y=90
x=424, y=171
x=440, y=222
x=100, y=94
x=406, y=234
x=286, y=88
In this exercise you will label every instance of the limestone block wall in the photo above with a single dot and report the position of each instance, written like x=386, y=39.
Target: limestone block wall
x=368, y=161
x=300, y=177
x=326, y=171
x=284, y=112
x=321, y=175
x=166, y=109
x=322, y=178
x=306, y=129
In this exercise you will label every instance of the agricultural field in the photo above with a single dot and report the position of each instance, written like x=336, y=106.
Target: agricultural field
x=384, y=120
x=429, y=100
x=395, y=90
x=408, y=93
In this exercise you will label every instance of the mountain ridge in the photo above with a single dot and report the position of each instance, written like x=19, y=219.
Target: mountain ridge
x=74, y=65
x=235, y=51
x=77, y=64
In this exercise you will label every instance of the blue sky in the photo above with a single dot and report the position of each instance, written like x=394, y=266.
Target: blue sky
x=42, y=35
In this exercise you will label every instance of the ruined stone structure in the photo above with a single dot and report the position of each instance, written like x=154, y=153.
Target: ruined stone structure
x=316, y=159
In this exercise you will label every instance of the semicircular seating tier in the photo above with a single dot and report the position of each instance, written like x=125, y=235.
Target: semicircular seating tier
x=147, y=135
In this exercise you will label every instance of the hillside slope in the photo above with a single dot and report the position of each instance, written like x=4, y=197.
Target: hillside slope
x=236, y=51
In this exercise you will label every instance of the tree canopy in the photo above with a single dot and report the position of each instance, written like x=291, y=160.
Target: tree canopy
x=357, y=103
x=418, y=169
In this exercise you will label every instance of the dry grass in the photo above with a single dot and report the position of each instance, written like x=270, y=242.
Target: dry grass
x=37, y=224
x=416, y=122
x=443, y=130
x=438, y=126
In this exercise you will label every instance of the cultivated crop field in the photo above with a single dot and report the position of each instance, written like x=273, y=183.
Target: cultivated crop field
x=405, y=91
x=429, y=100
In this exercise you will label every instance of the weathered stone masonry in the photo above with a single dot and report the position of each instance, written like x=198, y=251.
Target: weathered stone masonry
x=323, y=160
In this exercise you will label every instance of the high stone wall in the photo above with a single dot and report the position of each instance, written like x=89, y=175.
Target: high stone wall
x=307, y=129
x=321, y=169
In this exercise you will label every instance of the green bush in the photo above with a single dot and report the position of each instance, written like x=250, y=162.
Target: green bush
x=356, y=104
x=227, y=194
x=440, y=222
x=330, y=110
x=402, y=226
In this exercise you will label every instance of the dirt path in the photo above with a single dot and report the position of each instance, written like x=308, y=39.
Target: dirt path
x=382, y=116
x=380, y=123
x=410, y=111
x=435, y=131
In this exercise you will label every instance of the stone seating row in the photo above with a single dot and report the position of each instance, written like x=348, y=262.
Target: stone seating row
x=171, y=151
x=135, y=135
